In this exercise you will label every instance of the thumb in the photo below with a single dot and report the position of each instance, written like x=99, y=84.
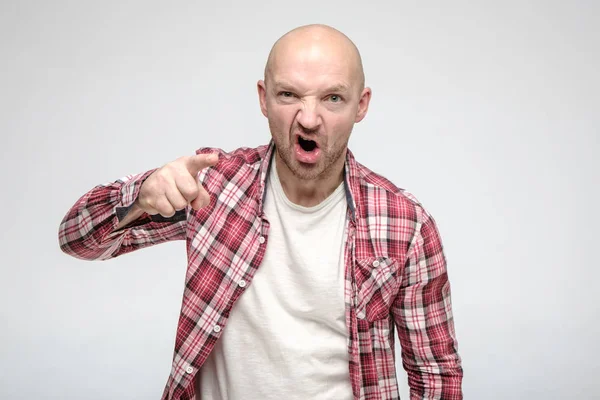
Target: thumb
x=198, y=162
x=203, y=198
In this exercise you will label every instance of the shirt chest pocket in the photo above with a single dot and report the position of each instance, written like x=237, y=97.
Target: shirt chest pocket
x=377, y=284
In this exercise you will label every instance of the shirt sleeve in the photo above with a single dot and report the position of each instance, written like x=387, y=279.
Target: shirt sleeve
x=423, y=315
x=88, y=229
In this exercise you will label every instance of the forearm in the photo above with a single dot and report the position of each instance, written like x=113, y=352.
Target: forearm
x=425, y=321
x=428, y=339
x=91, y=229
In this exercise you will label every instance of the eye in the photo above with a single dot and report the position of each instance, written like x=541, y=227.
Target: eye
x=334, y=98
x=286, y=94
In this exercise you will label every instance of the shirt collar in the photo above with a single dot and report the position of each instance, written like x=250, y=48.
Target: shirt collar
x=351, y=180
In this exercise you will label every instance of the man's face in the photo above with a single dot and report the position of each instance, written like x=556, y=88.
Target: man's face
x=312, y=97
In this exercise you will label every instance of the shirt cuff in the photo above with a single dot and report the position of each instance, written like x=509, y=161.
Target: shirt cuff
x=128, y=195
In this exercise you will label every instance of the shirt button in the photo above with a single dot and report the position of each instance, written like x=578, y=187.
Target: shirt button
x=217, y=328
x=189, y=369
x=242, y=283
x=376, y=263
x=261, y=239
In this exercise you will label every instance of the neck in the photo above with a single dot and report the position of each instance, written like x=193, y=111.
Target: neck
x=309, y=193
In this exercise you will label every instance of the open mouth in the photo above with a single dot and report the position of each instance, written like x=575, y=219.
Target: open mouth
x=307, y=144
x=307, y=151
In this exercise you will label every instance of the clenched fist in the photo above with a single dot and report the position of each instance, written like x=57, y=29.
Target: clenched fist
x=175, y=185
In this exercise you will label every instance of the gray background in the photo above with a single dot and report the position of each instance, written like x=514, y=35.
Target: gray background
x=487, y=112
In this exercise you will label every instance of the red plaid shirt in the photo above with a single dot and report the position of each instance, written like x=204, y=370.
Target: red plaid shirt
x=396, y=274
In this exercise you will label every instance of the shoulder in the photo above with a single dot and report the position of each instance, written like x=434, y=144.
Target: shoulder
x=379, y=190
x=393, y=217
x=235, y=164
x=239, y=156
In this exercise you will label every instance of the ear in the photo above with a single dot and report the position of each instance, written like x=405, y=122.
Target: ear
x=262, y=96
x=363, y=104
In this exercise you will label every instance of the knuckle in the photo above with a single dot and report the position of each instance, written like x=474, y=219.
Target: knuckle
x=180, y=204
x=163, y=175
x=189, y=191
x=164, y=207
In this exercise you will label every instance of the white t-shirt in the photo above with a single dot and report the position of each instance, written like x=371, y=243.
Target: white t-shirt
x=286, y=337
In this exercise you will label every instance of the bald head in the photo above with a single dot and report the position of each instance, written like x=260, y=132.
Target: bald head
x=317, y=43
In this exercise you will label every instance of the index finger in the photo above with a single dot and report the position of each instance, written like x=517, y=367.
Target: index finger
x=198, y=162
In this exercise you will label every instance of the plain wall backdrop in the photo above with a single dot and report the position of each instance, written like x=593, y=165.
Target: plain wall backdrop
x=487, y=111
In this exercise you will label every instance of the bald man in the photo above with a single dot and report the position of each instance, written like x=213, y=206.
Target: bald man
x=302, y=262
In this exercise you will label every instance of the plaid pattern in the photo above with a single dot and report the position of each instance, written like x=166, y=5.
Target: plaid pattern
x=396, y=274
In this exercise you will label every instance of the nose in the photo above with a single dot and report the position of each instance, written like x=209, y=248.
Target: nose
x=308, y=115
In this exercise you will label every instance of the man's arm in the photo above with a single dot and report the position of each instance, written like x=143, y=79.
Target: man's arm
x=423, y=316
x=106, y=222
x=136, y=211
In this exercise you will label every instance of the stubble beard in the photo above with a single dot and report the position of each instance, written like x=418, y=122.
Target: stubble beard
x=322, y=170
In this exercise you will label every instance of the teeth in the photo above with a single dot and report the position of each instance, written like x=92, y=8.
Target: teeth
x=306, y=140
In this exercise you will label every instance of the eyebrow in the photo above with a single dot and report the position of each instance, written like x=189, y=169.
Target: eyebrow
x=336, y=88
